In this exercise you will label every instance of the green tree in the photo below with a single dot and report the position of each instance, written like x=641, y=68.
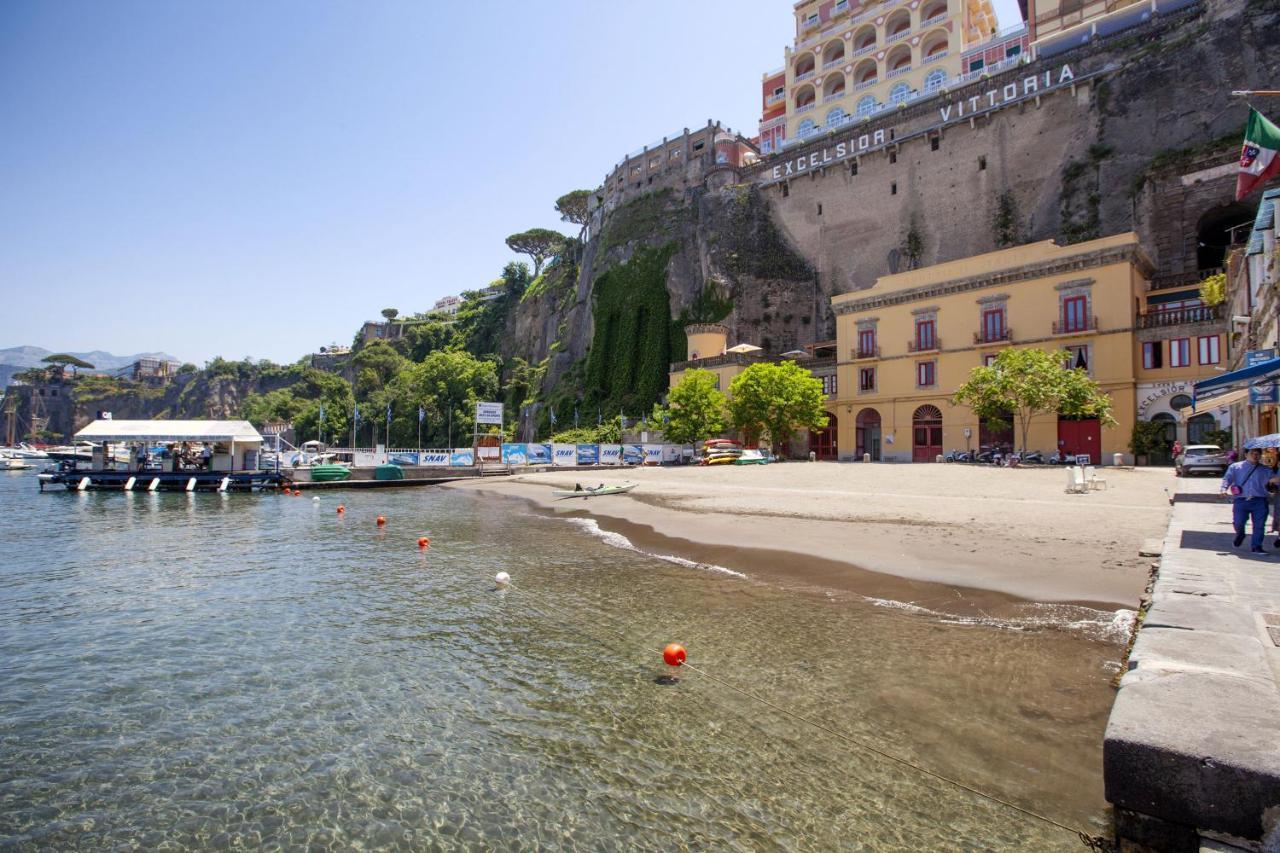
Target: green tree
x=1024, y=383
x=390, y=313
x=426, y=338
x=61, y=361
x=575, y=208
x=538, y=243
x=776, y=400
x=446, y=382
x=375, y=365
x=696, y=408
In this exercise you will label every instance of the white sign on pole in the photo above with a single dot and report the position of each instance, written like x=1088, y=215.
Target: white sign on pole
x=489, y=413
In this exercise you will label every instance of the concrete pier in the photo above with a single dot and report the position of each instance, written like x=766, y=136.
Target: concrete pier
x=1192, y=748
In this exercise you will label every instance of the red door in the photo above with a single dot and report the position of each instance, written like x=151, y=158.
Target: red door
x=926, y=434
x=1081, y=438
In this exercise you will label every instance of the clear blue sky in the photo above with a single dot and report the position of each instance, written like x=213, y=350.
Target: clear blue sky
x=245, y=178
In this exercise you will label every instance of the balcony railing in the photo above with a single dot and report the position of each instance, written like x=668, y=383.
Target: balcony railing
x=831, y=62
x=906, y=69
x=1181, y=316
x=942, y=54
x=804, y=108
x=834, y=96
x=806, y=75
x=841, y=6
x=936, y=19
x=865, y=352
x=864, y=50
x=866, y=84
x=1082, y=324
x=994, y=337
x=924, y=346
x=1182, y=279
x=774, y=99
x=898, y=36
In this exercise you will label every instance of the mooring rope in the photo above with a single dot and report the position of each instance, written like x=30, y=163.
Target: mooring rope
x=1092, y=841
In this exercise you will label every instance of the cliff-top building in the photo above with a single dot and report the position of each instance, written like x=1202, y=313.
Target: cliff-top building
x=853, y=59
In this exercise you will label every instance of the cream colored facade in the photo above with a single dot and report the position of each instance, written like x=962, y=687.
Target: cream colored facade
x=906, y=344
x=851, y=58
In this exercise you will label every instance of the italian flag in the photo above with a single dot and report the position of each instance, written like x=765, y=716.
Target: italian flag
x=1258, y=160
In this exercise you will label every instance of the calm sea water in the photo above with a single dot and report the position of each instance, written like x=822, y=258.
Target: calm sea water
x=214, y=671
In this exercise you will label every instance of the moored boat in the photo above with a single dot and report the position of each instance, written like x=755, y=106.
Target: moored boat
x=589, y=492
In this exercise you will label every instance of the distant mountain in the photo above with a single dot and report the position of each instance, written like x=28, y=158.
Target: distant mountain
x=16, y=359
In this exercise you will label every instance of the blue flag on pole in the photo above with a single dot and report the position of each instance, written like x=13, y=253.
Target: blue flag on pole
x=388, y=414
x=422, y=414
x=553, y=416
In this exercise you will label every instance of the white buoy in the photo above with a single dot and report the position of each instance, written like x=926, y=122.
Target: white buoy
x=155, y=484
x=316, y=499
x=502, y=579
x=84, y=484
x=191, y=484
x=128, y=484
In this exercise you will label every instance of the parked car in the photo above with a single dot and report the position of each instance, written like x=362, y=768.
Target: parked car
x=1201, y=457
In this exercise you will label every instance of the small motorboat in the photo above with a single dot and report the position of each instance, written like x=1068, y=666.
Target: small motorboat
x=329, y=473
x=589, y=491
x=9, y=463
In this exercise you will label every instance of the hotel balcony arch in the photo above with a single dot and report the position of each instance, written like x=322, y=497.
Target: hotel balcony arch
x=805, y=66
x=935, y=80
x=934, y=45
x=897, y=25
x=833, y=86
x=865, y=73
x=898, y=60
x=833, y=53
x=806, y=97
x=805, y=128
x=835, y=117
x=866, y=105
x=864, y=40
x=933, y=11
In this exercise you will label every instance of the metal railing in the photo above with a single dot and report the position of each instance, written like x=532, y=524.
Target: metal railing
x=806, y=75
x=866, y=84
x=1180, y=316
x=865, y=49
x=865, y=352
x=1082, y=324
x=985, y=337
x=936, y=19
x=906, y=69
x=834, y=96
x=831, y=62
x=804, y=108
x=898, y=36
x=934, y=57
x=1182, y=279
x=773, y=99
x=928, y=345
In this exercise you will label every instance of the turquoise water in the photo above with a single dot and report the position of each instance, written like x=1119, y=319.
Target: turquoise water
x=217, y=671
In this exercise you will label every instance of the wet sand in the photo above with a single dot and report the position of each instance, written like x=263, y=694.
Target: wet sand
x=958, y=538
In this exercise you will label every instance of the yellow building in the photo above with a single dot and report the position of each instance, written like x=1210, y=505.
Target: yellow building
x=852, y=58
x=906, y=344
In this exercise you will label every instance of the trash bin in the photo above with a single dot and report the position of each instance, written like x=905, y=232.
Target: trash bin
x=1117, y=459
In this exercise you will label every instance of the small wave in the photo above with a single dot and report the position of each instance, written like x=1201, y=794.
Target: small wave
x=617, y=540
x=1106, y=625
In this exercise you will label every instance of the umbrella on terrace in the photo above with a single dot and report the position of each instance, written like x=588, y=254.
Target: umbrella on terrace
x=1263, y=441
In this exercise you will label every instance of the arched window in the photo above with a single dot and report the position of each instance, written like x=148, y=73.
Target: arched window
x=806, y=127
x=899, y=94
x=1179, y=401
x=867, y=105
x=835, y=117
x=935, y=81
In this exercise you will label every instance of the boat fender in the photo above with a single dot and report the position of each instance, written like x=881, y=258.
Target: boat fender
x=128, y=485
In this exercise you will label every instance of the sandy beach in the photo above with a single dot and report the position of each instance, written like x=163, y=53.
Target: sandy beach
x=960, y=537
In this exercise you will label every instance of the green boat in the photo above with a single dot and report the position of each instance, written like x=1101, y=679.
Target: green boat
x=329, y=473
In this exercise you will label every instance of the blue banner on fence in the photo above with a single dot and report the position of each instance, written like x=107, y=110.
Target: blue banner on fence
x=404, y=459
x=538, y=454
x=463, y=458
x=515, y=454
x=588, y=454
x=632, y=454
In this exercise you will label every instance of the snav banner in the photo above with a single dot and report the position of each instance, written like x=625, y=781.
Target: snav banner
x=632, y=454
x=611, y=454
x=653, y=454
x=435, y=458
x=588, y=454
x=538, y=454
x=463, y=457
x=515, y=454
x=564, y=455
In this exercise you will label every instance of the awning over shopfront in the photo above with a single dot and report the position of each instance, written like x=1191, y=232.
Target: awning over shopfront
x=1213, y=402
x=1268, y=369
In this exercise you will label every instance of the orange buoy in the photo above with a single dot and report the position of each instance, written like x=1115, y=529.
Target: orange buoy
x=673, y=654
x=382, y=521
x=341, y=509
x=297, y=493
x=423, y=542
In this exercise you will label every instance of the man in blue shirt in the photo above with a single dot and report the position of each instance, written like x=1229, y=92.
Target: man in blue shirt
x=1246, y=481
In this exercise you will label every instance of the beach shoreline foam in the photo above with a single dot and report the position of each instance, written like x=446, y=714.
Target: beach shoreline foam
x=963, y=541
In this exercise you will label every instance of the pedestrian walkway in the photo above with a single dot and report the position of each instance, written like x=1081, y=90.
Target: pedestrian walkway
x=1192, y=747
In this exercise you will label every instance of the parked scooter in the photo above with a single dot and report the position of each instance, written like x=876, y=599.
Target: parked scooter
x=958, y=456
x=1030, y=457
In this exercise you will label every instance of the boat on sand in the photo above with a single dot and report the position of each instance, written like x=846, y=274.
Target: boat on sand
x=595, y=491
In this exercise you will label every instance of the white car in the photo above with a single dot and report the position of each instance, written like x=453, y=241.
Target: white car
x=1201, y=457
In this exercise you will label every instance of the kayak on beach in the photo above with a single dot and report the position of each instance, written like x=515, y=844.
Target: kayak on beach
x=601, y=489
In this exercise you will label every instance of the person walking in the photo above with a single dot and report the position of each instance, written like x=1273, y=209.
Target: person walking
x=1246, y=482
